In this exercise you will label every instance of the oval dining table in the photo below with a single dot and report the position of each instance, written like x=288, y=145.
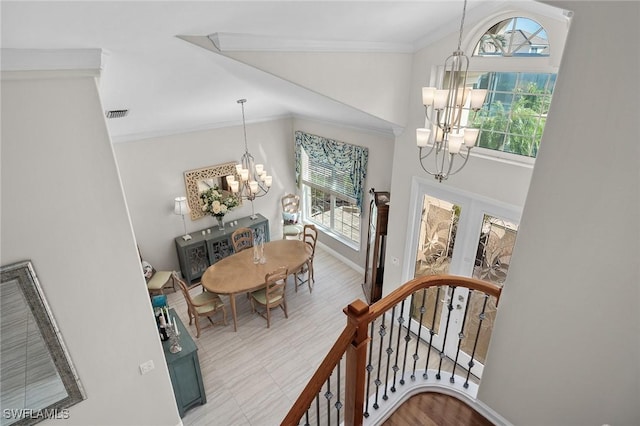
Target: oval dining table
x=237, y=274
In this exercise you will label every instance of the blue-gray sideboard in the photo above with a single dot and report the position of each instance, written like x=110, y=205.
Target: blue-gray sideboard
x=203, y=250
x=184, y=370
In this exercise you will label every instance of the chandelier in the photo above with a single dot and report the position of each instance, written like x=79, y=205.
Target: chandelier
x=251, y=179
x=444, y=138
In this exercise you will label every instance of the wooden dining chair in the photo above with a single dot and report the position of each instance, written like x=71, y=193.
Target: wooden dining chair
x=310, y=238
x=291, y=226
x=205, y=304
x=272, y=295
x=242, y=239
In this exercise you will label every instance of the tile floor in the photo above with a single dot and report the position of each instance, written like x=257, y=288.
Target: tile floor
x=253, y=376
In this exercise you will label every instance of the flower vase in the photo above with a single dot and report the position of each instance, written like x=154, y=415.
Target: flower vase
x=220, y=220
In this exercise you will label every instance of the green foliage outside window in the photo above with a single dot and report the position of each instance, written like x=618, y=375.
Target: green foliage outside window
x=514, y=116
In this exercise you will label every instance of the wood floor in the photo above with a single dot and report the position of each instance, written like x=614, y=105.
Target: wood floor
x=435, y=409
x=253, y=376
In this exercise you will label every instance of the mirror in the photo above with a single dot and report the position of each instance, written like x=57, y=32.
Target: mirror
x=199, y=180
x=37, y=378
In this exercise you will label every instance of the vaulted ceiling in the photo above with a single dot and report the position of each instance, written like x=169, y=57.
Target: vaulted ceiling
x=172, y=85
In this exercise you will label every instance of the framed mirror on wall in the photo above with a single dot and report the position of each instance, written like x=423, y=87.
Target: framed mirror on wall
x=37, y=378
x=199, y=180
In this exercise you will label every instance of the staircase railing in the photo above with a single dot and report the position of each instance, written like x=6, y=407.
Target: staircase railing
x=381, y=344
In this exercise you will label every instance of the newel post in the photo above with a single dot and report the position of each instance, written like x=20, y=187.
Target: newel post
x=357, y=313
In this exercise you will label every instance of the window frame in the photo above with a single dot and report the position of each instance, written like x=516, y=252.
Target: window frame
x=332, y=186
x=505, y=64
x=305, y=189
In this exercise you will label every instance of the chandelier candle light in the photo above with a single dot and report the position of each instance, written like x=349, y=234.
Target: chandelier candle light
x=251, y=179
x=444, y=108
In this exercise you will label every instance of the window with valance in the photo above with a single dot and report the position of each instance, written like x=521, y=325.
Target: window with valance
x=331, y=176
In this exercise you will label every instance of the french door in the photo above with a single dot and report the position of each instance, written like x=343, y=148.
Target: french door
x=461, y=234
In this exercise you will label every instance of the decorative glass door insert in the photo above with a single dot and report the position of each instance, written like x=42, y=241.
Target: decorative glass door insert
x=493, y=256
x=460, y=235
x=438, y=226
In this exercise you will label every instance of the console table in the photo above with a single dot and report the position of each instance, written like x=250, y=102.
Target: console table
x=202, y=251
x=184, y=370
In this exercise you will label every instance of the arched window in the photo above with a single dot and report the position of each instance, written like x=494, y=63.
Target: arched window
x=514, y=37
x=512, y=54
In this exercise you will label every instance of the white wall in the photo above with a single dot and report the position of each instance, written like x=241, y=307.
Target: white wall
x=372, y=82
x=152, y=175
x=63, y=208
x=566, y=342
x=152, y=172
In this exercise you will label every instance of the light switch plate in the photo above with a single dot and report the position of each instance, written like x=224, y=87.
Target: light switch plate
x=145, y=367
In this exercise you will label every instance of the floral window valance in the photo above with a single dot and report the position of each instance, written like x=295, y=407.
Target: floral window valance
x=348, y=162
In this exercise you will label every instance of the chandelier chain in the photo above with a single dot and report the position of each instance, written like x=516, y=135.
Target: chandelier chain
x=464, y=12
x=244, y=126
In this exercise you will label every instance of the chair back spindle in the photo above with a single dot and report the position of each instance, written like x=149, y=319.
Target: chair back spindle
x=242, y=239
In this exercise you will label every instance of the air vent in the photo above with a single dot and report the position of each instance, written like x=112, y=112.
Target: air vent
x=117, y=113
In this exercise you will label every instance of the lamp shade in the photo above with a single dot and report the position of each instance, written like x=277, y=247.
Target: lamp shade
x=455, y=142
x=428, y=93
x=440, y=98
x=477, y=98
x=422, y=137
x=470, y=137
x=181, y=207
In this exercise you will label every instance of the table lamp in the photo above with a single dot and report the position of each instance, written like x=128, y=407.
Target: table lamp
x=181, y=208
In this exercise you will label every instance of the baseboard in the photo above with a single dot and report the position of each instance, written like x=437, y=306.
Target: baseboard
x=341, y=258
x=490, y=414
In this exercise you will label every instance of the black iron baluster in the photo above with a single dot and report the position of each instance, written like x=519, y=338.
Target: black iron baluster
x=328, y=395
x=338, y=403
x=382, y=332
x=407, y=339
x=389, y=352
x=432, y=332
x=318, y=409
x=395, y=365
x=461, y=336
x=416, y=357
x=481, y=317
x=306, y=417
x=446, y=331
x=369, y=369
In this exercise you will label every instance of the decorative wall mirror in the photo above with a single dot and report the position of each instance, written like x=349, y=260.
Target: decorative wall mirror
x=37, y=378
x=199, y=180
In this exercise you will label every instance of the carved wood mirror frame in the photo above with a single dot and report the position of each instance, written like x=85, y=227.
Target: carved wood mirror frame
x=199, y=180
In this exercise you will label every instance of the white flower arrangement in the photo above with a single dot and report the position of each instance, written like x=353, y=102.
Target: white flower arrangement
x=217, y=202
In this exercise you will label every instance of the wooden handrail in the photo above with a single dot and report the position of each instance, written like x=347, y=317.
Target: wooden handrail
x=320, y=376
x=353, y=341
x=404, y=291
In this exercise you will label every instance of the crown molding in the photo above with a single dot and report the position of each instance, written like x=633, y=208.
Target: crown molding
x=83, y=61
x=248, y=42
